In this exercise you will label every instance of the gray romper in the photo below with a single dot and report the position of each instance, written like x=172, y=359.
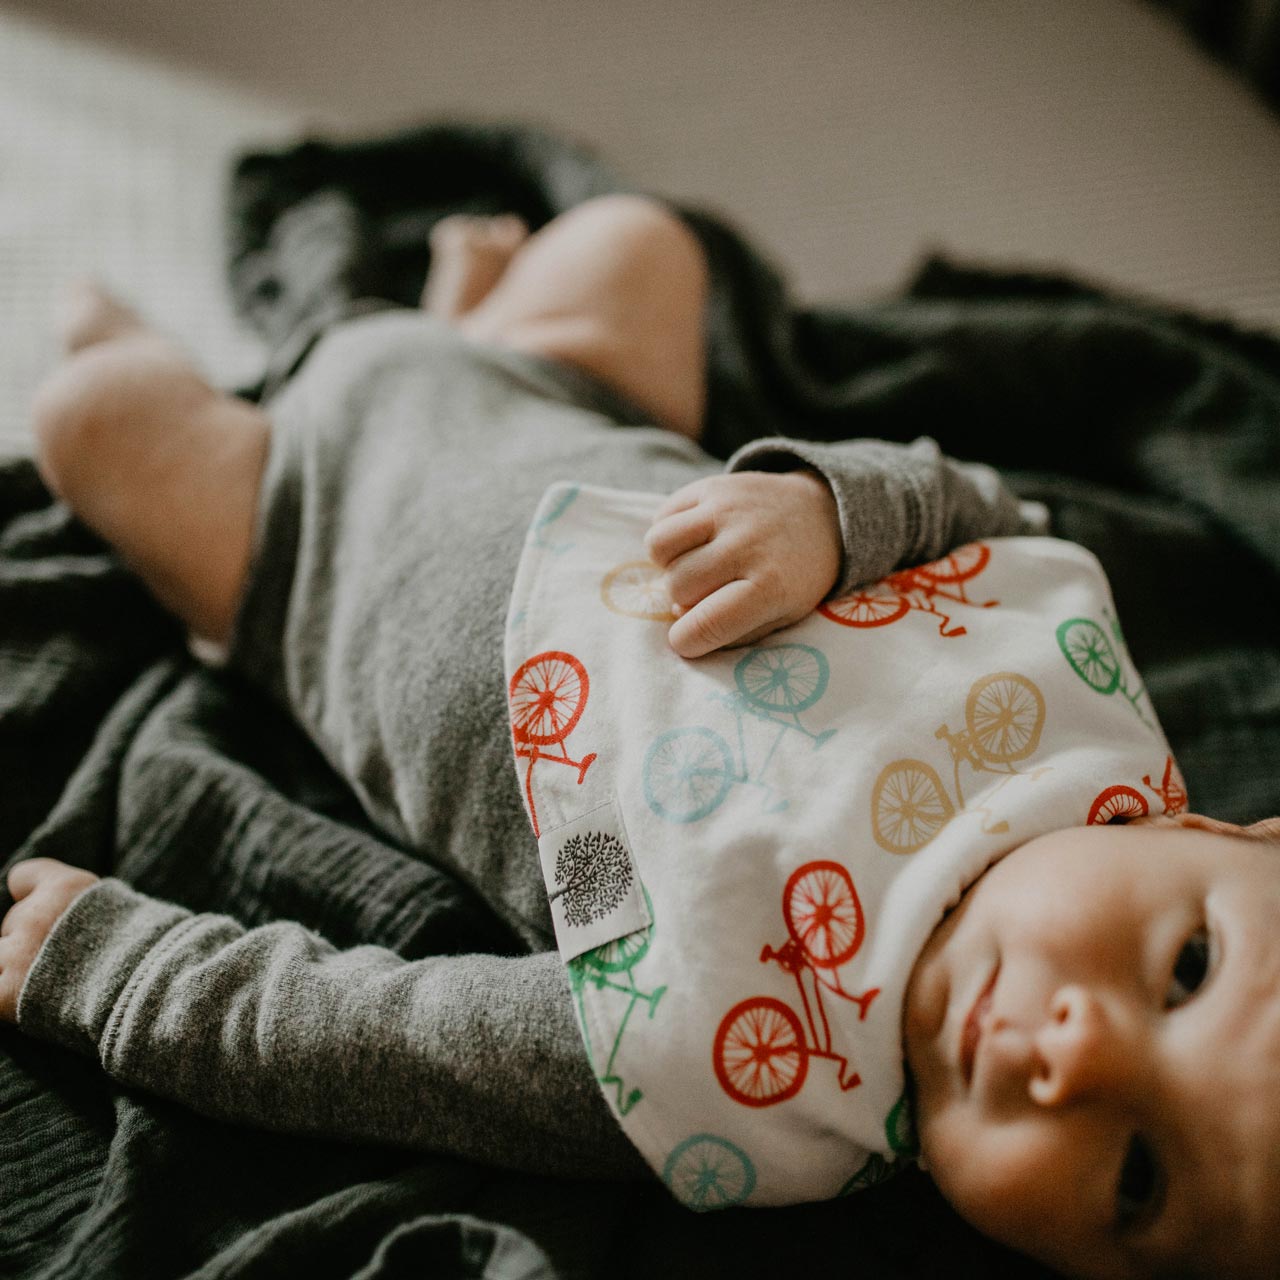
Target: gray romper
x=405, y=466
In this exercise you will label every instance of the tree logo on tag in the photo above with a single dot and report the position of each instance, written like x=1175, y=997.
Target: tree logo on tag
x=593, y=870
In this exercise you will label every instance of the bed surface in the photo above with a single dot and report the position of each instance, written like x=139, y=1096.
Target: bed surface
x=1167, y=184
x=112, y=165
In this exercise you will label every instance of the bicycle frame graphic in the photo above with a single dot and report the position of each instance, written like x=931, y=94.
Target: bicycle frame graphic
x=1004, y=718
x=610, y=968
x=761, y=1051
x=689, y=771
x=881, y=603
x=1123, y=803
x=548, y=695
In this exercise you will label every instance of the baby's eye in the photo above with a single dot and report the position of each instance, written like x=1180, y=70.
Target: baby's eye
x=1140, y=1190
x=1189, y=969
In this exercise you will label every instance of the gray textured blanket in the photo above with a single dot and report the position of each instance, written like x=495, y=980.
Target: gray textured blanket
x=1155, y=439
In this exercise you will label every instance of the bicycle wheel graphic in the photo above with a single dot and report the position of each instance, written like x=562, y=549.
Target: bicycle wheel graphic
x=876, y=1169
x=687, y=773
x=823, y=913
x=548, y=694
x=636, y=589
x=705, y=1172
x=900, y=1129
x=622, y=954
x=963, y=563
x=908, y=806
x=1005, y=715
x=873, y=606
x=1117, y=804
x=784, y=677
x=1085, y=646
x=759, y=1052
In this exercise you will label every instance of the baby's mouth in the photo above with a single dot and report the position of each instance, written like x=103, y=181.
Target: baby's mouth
x=971, y=1031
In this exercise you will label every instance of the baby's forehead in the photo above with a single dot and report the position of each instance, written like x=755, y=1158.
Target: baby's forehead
x=1116, y=851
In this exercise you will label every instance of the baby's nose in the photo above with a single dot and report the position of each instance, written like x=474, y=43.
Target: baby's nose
x=1081, y=1050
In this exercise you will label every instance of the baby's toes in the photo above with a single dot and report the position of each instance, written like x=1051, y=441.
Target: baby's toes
x=88, y=314
x=506, y=232
x=476, y=234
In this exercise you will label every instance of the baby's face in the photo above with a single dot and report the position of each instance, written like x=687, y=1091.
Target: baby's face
x=1094, y=1037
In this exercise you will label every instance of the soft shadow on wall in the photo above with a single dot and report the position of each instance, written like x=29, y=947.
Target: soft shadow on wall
x=1243, y=33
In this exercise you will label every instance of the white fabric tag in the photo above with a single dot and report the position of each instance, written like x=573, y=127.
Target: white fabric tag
x=592, y=883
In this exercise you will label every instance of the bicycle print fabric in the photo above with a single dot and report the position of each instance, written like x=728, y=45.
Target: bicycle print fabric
x=745, y=853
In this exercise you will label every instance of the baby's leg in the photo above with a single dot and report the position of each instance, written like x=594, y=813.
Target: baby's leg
x=154, y=459
x=616, y=286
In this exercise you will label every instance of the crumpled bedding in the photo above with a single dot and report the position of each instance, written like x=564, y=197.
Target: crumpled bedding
x=1154, y=438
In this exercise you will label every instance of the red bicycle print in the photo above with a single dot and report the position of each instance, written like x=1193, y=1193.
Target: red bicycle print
x=1004, y=717
x=761, y=1050
x=1123, y=803
x=548, y=695
x=893, y=597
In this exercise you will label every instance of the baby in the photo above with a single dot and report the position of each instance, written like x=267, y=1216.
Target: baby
x=1088, y=1025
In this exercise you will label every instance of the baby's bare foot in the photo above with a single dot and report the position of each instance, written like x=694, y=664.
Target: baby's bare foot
x=88, y=314
x=468, y=257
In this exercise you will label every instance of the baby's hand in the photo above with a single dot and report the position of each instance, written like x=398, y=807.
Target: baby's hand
x=745, y=554
x=42, y=890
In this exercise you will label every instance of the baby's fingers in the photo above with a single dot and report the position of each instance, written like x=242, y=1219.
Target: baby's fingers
x=722, y=618
x=688, y=495
x=27, y=875
x=675, y=535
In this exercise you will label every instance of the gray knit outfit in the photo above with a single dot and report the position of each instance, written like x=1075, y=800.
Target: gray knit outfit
x=406, y=464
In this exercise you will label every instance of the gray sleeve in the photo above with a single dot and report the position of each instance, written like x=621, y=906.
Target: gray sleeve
x=899, y=504
x=475, y=1056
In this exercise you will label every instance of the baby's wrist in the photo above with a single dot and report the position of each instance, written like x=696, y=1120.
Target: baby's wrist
x=827, y=515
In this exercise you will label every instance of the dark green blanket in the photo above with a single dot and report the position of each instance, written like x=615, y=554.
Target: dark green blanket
x=1154, y=437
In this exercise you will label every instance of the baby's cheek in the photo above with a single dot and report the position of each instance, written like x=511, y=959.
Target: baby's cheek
x=1030, y=1183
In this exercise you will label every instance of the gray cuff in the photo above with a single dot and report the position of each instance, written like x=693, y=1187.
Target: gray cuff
x=82, y=969
x=898, y=504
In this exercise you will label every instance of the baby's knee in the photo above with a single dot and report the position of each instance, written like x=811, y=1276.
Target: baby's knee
x=92, y=405
x=647, y=230
x=64, y=418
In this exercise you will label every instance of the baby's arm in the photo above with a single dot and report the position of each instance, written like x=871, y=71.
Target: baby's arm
x=473, y=1056
x=793, y=523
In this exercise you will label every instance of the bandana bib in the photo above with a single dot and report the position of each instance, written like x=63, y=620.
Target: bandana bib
x=745, y=854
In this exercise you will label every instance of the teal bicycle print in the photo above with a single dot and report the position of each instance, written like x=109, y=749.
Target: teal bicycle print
x=688, y=772
x=707, y=1172
x=538, y=533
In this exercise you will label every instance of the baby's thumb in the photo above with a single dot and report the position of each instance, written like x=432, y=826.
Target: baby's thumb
x=25, y=876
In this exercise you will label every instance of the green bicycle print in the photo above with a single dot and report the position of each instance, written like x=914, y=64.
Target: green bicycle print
x=1098, y=662
x=609, y=968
